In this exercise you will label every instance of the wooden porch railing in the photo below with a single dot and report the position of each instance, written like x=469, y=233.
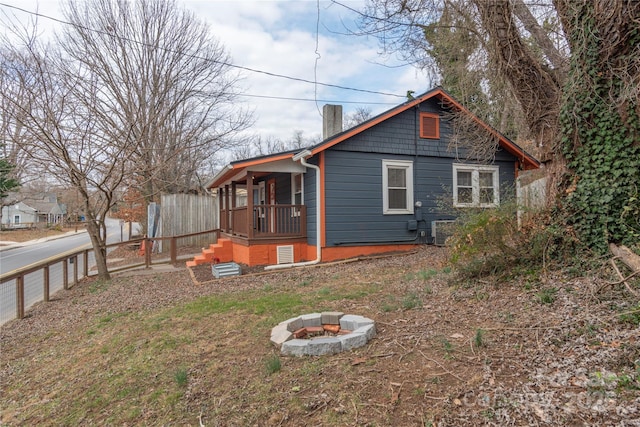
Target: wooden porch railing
x=279, y=220
x=239, y=224
x=224, y=220
x=265, y=221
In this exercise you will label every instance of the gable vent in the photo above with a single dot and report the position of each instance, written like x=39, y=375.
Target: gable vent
x=285, y=254
x=429, y=126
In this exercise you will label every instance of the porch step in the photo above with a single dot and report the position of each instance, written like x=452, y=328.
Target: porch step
x=215, y=253
x=197, y=260
x=209, y=253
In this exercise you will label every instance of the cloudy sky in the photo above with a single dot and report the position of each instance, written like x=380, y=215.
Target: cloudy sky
x=303, y=39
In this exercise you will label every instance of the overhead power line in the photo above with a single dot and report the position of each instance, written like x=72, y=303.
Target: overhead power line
x=285, y=98
x=231, y=65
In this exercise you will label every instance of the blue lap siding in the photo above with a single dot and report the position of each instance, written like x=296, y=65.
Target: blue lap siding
x=352, y=173
x=353, y=181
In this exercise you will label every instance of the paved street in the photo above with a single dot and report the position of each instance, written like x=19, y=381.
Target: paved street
x=28, y=253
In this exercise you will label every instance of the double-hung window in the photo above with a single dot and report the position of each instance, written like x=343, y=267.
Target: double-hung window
x=297, y=192
x=476, y=186
x=397, y=187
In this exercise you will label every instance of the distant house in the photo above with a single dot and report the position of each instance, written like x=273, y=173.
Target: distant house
x=367, y=190
x=19, y=215
x=33, y=210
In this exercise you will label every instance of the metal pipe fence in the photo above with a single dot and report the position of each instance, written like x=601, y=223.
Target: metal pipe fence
x=38, y=282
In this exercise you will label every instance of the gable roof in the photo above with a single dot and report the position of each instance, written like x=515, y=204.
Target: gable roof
x=527, y=161
x=20, y=206
x=44, y=203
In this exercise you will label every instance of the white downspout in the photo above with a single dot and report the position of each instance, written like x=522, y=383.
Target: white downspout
x=302, y=158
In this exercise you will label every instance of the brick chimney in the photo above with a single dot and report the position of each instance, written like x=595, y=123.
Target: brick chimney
x=331, y=120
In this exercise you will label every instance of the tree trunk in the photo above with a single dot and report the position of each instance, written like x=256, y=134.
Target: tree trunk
x=600, y=120
x=559, y=62
x=99, y=248
x=625, y=254
x=534, y=86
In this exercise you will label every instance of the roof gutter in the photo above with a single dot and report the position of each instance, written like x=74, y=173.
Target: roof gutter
x=302, y=158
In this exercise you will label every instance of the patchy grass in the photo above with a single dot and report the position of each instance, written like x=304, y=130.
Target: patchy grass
x=479, y=338
x=547, y=295
x=273, y=364
x=159, y=350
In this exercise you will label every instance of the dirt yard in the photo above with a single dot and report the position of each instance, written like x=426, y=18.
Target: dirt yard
x=162, y=350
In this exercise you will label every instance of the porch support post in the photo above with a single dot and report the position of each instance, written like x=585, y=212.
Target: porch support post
x=233, y=205
x=249, y=205
x=220, y=208
x=227, y=207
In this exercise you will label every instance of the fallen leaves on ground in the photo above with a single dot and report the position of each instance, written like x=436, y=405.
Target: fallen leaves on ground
x=159, y=349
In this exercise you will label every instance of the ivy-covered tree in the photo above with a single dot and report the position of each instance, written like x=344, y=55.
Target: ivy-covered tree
x=600, y=121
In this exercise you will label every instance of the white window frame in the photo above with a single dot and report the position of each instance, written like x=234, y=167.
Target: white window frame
x=262, y=200
x=262, y=193
x=295, y=211
x=407, y=165
x=475, y=185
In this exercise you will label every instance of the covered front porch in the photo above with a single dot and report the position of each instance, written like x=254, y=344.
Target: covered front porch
x=264, y=204
x=262, y=214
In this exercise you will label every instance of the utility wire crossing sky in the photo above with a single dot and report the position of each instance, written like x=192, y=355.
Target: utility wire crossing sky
x=294, y=57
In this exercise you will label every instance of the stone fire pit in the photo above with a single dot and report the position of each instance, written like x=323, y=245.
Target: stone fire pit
x=316, y=334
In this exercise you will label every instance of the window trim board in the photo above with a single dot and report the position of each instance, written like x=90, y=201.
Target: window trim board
x=295, y=212
x=475, y=185
x=407, y=165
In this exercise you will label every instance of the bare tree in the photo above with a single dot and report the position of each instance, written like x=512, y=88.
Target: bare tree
x=535, y=85
x=472, y=47
x=130, y=92
x=253, y=146
x=63, y=136
x=258, y=146
x=360, y=115
x=166, y=87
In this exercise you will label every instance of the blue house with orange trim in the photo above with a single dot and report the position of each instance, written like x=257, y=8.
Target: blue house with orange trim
x=367, y=190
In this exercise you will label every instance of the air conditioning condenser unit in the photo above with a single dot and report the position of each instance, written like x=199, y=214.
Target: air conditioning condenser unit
x=441, y=230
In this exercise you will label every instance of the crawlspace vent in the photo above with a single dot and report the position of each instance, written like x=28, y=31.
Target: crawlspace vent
x=285, y=254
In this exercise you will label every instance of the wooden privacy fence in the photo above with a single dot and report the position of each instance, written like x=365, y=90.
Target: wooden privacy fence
x=71, y=260
x=182, y=214
x=531, y=193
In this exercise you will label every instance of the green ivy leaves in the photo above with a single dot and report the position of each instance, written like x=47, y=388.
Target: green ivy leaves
x=601, y=143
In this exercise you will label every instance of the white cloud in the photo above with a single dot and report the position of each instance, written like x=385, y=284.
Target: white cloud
x=280, y=37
